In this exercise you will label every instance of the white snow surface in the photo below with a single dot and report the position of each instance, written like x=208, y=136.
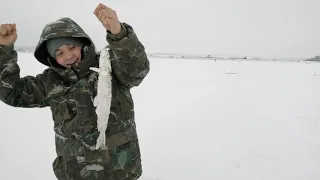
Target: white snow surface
x=196, y=119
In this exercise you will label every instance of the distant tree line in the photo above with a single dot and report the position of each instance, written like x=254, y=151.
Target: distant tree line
x=316, y=58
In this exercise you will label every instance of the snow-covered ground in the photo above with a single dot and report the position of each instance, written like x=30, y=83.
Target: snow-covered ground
x=196, y=119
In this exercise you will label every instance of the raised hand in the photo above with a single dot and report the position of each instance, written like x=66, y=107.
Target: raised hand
x=108, y=17
x=8, y=34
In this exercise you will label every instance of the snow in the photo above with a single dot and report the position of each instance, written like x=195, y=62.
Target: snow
x=196, y=120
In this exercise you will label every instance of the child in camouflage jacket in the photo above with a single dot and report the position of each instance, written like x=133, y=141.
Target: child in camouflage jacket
x=68, y=88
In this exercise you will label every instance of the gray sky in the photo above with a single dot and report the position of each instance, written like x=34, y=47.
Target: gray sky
x=267, y=28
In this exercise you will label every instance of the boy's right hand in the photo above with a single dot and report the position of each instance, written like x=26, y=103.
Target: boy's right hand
x=8, y=34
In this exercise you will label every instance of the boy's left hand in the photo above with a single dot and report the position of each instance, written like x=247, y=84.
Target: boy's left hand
x=108, y=17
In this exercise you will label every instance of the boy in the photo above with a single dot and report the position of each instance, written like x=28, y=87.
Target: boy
x=68, y=87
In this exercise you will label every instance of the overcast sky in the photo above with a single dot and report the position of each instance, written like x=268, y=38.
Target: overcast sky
x=266, y=28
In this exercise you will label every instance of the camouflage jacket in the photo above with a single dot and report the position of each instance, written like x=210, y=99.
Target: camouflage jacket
x=70, y=92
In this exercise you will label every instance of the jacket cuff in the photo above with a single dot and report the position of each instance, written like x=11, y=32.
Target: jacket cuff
x=116, y=37
x=4, y=50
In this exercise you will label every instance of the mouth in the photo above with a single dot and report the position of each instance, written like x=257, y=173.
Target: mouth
x=74, y=63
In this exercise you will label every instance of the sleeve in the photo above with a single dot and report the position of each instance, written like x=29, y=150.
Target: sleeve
x=26, y=92
x=129, y=61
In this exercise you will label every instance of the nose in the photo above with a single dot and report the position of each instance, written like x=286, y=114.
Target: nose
x=69, y=55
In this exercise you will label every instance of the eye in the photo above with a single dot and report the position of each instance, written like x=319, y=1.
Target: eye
x=59, y=53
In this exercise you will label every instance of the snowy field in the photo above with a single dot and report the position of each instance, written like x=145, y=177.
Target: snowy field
x=196, y=121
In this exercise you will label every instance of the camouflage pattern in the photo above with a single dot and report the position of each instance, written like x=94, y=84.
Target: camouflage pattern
x=69, y=93
x=125, y=165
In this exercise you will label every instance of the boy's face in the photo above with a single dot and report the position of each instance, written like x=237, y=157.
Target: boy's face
x=68, y=55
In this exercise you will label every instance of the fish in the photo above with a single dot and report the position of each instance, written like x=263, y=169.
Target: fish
x=102, y=101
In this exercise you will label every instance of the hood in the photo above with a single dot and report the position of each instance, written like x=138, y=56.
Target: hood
x=65, y=27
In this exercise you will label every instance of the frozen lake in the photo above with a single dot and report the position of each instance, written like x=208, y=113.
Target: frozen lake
x=196, y=119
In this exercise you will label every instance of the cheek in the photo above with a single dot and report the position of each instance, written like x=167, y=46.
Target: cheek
x=78, y=52
x=60, y=61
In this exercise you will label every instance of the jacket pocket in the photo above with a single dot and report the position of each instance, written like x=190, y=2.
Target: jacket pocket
x=59, y=104
x=114, y=143
x=63, y=116
x=60, y=110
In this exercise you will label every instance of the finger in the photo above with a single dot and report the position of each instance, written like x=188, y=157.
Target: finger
x=2, y=30
x=110, y=13
x=103, y=14
x=14, y=31
x=14, y=28
x=10, y=28
x=7, y=27
x=5, y=31
x=96, y=11
x=103, y=11
x=113, y=14
x=99, y=8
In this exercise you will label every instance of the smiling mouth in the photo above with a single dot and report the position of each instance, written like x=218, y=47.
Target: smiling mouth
x=74, y=62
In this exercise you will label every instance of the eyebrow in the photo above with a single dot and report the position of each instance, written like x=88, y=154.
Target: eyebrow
x=66, y=44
